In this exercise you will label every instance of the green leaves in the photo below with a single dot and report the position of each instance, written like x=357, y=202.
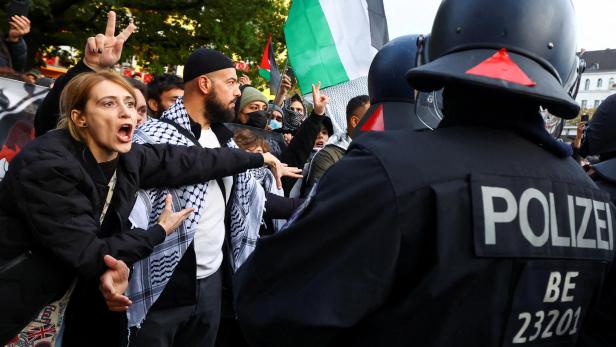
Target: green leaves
x=167, y=30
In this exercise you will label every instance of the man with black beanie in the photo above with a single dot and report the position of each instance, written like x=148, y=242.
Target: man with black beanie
x=177, y=291
x=180, y=285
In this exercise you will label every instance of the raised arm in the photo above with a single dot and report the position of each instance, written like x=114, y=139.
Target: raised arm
x=163, y=165
x=101, y=52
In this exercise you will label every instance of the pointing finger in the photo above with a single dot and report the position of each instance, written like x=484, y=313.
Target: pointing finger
x=111, y=23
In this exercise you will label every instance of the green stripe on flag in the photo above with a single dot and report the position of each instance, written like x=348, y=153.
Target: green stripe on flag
x=311, y=47
x=265, y=74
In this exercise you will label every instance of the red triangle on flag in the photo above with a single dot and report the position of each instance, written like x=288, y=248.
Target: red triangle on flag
x=265, y=59
x=375, y=122
x=501, y=66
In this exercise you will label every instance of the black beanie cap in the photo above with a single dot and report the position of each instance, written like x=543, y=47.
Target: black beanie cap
x=203, y=61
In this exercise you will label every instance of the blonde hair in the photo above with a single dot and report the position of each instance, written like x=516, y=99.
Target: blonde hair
x=77, y=92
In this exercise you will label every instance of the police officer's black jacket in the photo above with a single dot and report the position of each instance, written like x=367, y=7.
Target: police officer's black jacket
x=465, y=236
x=50, y=203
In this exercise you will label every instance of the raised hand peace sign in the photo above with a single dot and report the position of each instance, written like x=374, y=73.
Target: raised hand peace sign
x=103, y=51
x=320, y=100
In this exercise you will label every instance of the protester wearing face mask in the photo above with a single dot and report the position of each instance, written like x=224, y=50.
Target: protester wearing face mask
x=252, y=100
x=276, y=116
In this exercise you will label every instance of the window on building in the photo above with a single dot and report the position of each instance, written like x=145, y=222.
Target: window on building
x=587, y=84
x=584, y=103
x=597, y=103
x=600, y=83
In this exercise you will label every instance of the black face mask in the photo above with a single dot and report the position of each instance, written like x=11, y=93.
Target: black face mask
x=291, y=119
x=257, y=119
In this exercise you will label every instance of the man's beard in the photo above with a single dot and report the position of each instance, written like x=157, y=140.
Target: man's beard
x=215, y=111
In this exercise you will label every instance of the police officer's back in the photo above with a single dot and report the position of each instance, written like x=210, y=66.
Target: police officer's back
x=481, y=233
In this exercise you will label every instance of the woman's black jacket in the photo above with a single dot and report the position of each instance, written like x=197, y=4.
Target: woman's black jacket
x=50, y=204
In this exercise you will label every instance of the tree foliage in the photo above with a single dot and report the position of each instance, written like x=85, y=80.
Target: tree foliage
x=167, y=30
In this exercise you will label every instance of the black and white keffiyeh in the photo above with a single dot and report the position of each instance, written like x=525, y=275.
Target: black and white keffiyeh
x=266, y=179
x=151, y=275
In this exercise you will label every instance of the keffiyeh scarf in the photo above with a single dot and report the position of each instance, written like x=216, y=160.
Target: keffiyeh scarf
x=246, y=206
x=341, y=140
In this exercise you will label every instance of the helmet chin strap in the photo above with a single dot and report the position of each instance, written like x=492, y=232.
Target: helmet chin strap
x=575, y=87
x=432, y=106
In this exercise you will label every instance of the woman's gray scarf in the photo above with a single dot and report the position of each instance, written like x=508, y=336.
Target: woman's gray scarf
x=150, y=275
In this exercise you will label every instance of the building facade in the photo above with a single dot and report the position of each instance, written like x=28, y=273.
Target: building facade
x=599, y=80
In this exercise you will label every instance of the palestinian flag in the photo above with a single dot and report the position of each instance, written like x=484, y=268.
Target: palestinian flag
x=334, y=41
x=268, y=68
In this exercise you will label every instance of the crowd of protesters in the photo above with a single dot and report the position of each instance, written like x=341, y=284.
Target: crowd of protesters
x=210, y=107
x=143, y=200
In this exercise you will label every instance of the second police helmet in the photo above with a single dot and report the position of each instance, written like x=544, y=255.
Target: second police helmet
x=523, y=47
x=394, y=104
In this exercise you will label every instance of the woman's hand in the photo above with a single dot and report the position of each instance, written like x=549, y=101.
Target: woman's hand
x=103, y=51
x=170, y=220
x=113, y=284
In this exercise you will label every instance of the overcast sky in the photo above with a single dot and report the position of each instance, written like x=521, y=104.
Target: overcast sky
x=596, y=20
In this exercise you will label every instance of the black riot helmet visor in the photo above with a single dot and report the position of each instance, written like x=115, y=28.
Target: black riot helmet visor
x=523, y=47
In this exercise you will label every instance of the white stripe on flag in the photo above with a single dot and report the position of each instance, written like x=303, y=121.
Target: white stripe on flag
x=350, y=28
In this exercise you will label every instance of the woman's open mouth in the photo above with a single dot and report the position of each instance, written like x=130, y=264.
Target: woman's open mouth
x=125, y=133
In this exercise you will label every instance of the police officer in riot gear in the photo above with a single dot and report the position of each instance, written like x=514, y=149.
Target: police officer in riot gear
x=483, y=232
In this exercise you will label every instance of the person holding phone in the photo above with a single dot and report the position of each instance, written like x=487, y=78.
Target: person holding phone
x=13, y=49
x=579, y=136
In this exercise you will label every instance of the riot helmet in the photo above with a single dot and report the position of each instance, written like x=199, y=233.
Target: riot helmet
x=524, y=47
x=393, y=102
x=391, y=62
